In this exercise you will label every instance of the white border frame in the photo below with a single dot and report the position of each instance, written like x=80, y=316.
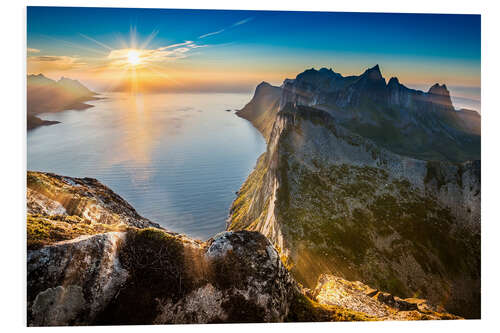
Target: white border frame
x=13, y=175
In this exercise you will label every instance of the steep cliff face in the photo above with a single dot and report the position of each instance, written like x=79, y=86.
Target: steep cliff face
x=262, y=109
x=335, y=201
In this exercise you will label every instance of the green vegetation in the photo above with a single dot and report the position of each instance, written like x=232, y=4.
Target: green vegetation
x=84, y=197
x=45, y=230
x=343, y=218
x=241, y=216
x=160, y=267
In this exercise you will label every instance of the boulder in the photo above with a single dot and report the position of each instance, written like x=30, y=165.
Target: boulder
x=150, y=276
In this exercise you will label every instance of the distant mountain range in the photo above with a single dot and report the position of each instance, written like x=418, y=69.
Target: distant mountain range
x=45, y=95
x=371, y=181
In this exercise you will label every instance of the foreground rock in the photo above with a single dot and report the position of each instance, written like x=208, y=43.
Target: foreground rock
x=151, y=277
x=357, y=296
x=106, y=265
x=93, y=260
x=62, y=208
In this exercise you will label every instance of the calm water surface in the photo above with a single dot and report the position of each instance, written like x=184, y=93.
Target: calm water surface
x=177, y=158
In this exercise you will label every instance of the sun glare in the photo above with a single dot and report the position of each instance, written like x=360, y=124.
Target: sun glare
x=133, y=57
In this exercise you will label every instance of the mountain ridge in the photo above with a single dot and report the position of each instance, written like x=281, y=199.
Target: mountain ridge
x=334, y=198
x=423, y=125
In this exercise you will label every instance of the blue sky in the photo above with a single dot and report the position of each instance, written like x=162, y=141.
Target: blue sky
x=252, y=46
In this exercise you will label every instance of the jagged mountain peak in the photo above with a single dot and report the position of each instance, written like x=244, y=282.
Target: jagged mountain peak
x=73, y=85
x=438, y=89
x=39, y=79
x=313, y=76
x=264, y=88
x=40, y=75
x=368, y=106
x=440, y=95
x=394, y=81
x=263, y=84
x=325, y=70
x=373, y=73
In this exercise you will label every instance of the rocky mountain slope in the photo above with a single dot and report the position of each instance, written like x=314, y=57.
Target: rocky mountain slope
x=46, y=95
x=409, y=122
x=93, y=260
x=373, y=182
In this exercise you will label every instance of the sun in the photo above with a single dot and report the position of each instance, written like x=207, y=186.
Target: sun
x=133, y=57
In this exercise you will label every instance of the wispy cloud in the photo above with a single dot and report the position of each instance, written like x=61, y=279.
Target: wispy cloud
x=188, y=42
x=248, y=19
x=119, y=57
x=32, y=50
x=50, y=62
x=96, y=41
x=212, y=33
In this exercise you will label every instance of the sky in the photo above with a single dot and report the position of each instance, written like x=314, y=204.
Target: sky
x=173, y=50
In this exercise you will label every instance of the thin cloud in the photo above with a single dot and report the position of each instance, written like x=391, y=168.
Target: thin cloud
x=55, y=59
x=96, y=41
x=248, y=19
x=49, y=62
x=119, y=57
x=32, y=50
x=212, y=33
x=188, y=42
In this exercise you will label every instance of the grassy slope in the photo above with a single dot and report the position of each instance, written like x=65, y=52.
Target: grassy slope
x=44, y=230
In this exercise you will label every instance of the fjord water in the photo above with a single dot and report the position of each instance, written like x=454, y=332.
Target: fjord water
x=178, y=159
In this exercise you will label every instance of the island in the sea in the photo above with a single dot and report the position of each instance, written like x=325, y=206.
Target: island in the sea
x=45, y=95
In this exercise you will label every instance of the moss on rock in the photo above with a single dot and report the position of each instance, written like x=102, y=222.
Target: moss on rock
x=44, y=230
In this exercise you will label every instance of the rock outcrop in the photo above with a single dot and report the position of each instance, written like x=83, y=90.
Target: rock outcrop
x=92, y=259
x=357, y=296
x=347, y=187
x=82, y=197
x=34, y=122
x=149, y=276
